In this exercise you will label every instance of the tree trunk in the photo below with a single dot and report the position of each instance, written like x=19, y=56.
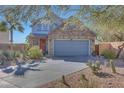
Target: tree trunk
x=118, y=54
x=11, y=40
x=112, y=66
x=121, y=47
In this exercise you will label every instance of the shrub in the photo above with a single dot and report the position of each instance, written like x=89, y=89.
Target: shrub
x=16, y=54
x=7, y=54
x=27, y=47
x=35, y=53
x=95, y=66
x=25, y=54
x=10, y=55
x=109, y=54
x=3, y=59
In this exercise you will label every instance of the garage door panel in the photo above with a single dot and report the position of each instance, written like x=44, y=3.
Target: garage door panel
x=71, y=47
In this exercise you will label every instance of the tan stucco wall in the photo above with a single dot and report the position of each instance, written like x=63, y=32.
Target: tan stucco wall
x=4, y=37
x=55, y=37
x=111, y=46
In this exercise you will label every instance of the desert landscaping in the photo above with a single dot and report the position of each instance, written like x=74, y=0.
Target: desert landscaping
x=105, y=79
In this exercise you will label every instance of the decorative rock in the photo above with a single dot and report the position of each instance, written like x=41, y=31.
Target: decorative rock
x=109, y=83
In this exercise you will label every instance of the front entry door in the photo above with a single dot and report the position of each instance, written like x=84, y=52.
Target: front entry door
x=43, y=44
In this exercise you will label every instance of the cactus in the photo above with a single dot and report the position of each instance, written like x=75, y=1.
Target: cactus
x=95, y=66
x=112, y=66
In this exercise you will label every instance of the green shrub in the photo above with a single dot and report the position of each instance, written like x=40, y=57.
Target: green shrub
x=18, y=54
x=35, y=53
x=6, y=53
x=109, y=54
x=3, y=59
x=15, y=54
x=25, y=54
x=27, y=47
x=11, y=54
x=94, y=66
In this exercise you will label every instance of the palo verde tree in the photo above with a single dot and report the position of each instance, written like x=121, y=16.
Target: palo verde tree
x=110, y=20
x=3, y=27
x=106, y=21
x=102, y=19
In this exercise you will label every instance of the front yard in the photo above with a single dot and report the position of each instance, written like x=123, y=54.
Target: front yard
x=105, y=79
x=108, y=75
x=32, y=70
x=76, y=75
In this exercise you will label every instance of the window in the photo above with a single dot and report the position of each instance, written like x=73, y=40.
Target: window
x=35, y=42
x=44, y=27
x=39, y=28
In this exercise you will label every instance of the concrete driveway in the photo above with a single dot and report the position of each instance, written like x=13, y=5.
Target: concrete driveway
x=79, y=59
x=49, y=71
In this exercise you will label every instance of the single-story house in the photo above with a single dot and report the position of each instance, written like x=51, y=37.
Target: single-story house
x=66, y=40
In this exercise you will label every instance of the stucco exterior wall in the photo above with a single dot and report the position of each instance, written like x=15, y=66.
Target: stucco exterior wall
x=53, y=37
x=111, y=46
x=16, y=47
x=4, y=37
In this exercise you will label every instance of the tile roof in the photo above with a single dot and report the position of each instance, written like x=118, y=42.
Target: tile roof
x=38, y=35
x=70, y=27
x=73, y=32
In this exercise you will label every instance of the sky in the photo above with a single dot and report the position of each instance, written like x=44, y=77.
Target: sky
x=20, y=37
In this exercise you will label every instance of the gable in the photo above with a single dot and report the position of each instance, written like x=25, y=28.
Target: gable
x=73, y=26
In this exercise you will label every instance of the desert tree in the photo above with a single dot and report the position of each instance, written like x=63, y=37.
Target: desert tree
x=10, y=24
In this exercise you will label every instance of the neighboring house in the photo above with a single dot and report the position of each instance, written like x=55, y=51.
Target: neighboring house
x=66, y=40
x=4, y=37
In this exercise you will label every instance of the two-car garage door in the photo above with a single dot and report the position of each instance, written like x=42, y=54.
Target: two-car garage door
x=71, y=47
